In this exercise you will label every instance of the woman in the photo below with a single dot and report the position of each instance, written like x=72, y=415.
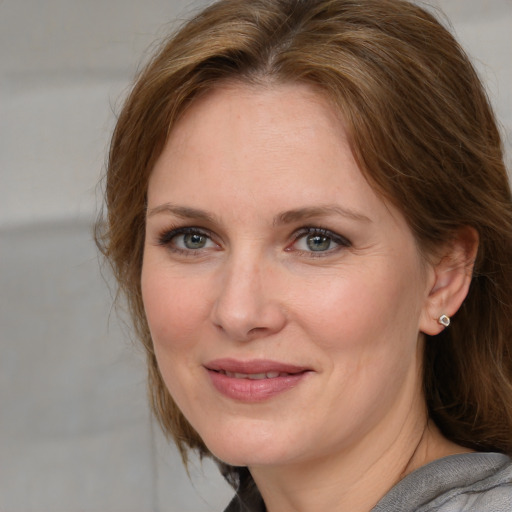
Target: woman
x=309, y=214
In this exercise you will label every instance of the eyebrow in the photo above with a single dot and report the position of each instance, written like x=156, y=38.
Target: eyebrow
x=301, y=214
x=183, y=212
x=287, y=217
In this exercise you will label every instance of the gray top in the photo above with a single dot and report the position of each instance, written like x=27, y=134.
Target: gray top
x=469, y=482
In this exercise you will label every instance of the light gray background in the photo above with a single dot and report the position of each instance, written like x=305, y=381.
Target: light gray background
x=75, y=431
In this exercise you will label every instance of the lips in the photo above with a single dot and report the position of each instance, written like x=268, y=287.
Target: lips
x=254, y=376
x=253, y=367
x=254, y=381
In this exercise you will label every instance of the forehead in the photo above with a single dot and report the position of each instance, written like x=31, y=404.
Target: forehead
x=267, y=130
x=246, y=114
x=260, y=148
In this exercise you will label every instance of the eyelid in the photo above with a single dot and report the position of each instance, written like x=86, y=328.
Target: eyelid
x=166, y=236
x=338, y=239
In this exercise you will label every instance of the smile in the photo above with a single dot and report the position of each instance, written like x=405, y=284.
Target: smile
x=254, y=376
x=254, y=381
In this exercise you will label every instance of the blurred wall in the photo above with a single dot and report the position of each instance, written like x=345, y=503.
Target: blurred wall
x=75, y=431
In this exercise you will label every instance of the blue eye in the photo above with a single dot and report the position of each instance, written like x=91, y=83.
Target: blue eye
x=194, y=240
x=318, y=240
x=186, y=239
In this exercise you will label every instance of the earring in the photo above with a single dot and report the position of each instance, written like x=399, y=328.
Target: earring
x=444, y=320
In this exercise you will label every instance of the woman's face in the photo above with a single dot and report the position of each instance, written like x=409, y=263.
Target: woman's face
x=284, y=297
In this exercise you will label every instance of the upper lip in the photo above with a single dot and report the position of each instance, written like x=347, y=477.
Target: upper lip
x=253, y=366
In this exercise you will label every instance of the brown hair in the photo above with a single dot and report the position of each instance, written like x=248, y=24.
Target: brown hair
x=422, y=131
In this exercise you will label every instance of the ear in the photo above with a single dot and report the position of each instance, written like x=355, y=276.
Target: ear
x=451, y=277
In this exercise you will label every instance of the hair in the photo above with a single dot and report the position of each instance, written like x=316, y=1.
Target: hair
x=423, y=133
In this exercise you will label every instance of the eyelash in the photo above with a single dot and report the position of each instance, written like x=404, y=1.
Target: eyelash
x=339, y=240
x=167, y=237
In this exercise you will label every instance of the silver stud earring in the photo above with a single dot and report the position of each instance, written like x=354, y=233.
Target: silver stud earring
x=444, y=320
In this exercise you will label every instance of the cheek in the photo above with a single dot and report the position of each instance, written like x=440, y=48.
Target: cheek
x=363, y=312
x=174, y=312
x=173, y=307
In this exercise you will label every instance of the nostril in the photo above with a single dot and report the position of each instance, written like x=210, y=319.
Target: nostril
x=257, y=330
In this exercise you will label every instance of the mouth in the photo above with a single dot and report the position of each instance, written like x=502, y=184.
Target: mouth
x=254, y=381
x=254, y=376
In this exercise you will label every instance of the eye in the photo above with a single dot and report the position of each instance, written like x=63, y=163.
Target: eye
x=186, y=240
x=318, y=240
x=191, y=241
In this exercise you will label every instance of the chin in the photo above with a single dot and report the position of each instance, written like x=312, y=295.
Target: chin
x=248, y=457
x=247, y=445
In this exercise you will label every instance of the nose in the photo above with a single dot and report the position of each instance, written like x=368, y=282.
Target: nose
x=248, y=304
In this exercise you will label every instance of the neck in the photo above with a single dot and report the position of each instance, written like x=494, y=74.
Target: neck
x=355, y=479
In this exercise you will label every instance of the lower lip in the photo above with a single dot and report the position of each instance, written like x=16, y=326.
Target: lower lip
x=247, y=390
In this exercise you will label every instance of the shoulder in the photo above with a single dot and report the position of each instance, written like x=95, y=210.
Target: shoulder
x=467, y=482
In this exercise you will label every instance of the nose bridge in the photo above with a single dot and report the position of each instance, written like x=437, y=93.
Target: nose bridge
x=246, y=305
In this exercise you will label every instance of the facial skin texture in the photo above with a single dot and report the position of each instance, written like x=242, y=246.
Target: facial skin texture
x=351, y=314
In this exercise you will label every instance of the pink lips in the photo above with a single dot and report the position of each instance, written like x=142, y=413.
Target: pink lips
x=253, y=381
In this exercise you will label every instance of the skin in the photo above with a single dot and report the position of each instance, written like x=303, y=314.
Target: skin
x=353, y=313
